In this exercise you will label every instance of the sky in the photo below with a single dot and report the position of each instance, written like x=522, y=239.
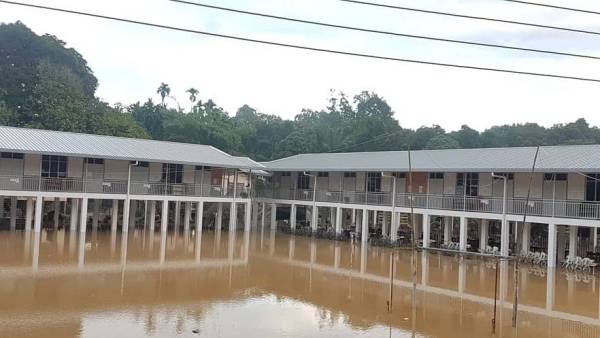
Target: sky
x=131, y=61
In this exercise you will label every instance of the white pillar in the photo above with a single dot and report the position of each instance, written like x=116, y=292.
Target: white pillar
x=83, y=215
x=426, y=230
x=28, y=213
x=56, y=212
x=132, y=213
x=365, y=225
x=177, y=214
x=13, y=213
x=338, y=220
x=572, y=241
x=219, y=221
x=263, y=214
x=551, y=245
x=293, y=209
x=595, y=237
x=164, y=217
x=374, y=218
x=114, y=215
x=384, y=225
x=96, y=212
x=232, y=216
x=483, y=234
x=526, y=236
x=273, y=216
x=504, y=238
x=332, y=216
x=356, y=221
x=152, y=221
x=126, y=210
x=395, y=223
x=447, y=227
x=463, y=234
x=187, y=216
x=199, y=217
x=354, y=217
x=39, y=203
x=315, y=218
x=74, y=214
x=248, y=216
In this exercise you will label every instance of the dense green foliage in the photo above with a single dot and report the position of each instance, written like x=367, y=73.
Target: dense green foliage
x=45, y=85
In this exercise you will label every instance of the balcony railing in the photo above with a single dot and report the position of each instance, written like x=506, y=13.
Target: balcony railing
x=514, y=206
x=105, y=186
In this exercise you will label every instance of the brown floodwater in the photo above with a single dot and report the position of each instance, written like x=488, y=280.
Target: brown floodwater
x=266, y=284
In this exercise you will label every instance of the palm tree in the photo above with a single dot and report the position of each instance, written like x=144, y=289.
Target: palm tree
x=193, y=95
x=164, y=90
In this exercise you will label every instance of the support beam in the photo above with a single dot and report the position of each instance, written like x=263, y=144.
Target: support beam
x=83, y=215
x=483, y=234
x=114, y=216
x=504, y=238
x=384, y=225
x=314, y=224
x=526, y=237
x=394, y=225
x=219, y=221
x=447, y=229
x=338, y=220
x=426, y=230
x=255, y=215
x=365, y=225
x=263, y=215
x=96, y=214
x=572, y=241
x=177, y=214
x=164, y=217
x=74, y=214
x=199, y=217
x=28, y=214
x=248, y=216
x=126, y=210
x=595, y=237
x=39, y=204
x=187, y=216
x=152, y=220
x=13, y=213
x=293, y=209
x=132, y=213
x=232, y=216
x=56, y=213
x=551, y=245
x=463, y=234
x=273, y=216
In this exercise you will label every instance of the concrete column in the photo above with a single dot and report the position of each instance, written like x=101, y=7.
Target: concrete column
x=263, y=215
x=232, y=216
x=483, y=234
x=365, y=225
x=384, y=225
x=315, y=218
x=248, y=216
x=526, y=237
x=595, y=238
x=338, y=220
x=39, y=204
x=83, y=215
x=374, y=218
x=74, y=214
x=273, y=216
x=426, y=230
x=551, y=245
x=293, y=209
x=447, y=228
x=219, y=221
x=13, y=213
x=177, y=214
x=56, y=212
x=463, y=234
x=504, y=238
x=187, y=216
x=114, y=216
x=95, y=216
x=354, y=217
x=199, y=217
x=28, y=213
x=572, y=241
x=394, y=226
x=152, y=220
x=255, y=215
x=332, y=216
x=356, y=221
x=126, y=211
x=164, y=217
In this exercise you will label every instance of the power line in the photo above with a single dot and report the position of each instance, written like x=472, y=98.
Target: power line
x=464, y=16
x=367, y=30
x=587, y=11
x=309, y=48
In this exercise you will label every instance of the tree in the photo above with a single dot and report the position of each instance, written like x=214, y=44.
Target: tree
x=193, y=96
x=163, y=90
x=442, y=141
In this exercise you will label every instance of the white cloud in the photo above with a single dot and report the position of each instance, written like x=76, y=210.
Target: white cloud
x=131, y=61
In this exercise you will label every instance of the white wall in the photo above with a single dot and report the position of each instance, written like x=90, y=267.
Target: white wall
x=188, y=174
x=485, y=184
x=335, y=180
x=360, y=181
x=575, y=187
x=115, y=169
x=75, y=167
x=386, y=183
x=521, y=185
x=32, y=165
x=449, y=183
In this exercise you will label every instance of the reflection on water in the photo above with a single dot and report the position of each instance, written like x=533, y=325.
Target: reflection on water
x=264, y=284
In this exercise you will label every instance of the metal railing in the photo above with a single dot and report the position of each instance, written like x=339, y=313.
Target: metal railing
x=483, y=204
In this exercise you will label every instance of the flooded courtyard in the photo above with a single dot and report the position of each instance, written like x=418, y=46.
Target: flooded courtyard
x=268, y=284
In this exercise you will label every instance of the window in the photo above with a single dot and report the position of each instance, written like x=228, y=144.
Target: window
x=202, y=167
x=15, y=156
x=592, y=187
x=436, y=176
x=467, y=183
x=286, y=174
x=172, y=173
x=399, y=175
x=323, y=174
x=555, y=177
x=509, y=176
x=374, y=182
x=303, y=182
x=90, y=160
x=54, y=166
x=350, y=174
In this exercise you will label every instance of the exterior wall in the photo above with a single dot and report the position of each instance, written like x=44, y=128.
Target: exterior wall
x=360, y=181
x=575, y=187
x=485, y=184
x=11, y=167
x=75, y=167
x=521, y=185
x=188, y=174
x=449, y=183
x=436, y=186
x=322, y=182
x=335, y=180
x=116, y=170
x=419, y=183
x=155, y=172
x=32, y=165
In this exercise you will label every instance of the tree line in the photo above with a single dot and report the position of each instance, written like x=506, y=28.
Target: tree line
x=46, y=85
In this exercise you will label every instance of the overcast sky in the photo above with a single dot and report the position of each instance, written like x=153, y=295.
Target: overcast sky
x=131, y=61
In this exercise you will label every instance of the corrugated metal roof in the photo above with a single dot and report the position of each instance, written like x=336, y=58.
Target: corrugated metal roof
x=36, y=141
x=582, y=158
